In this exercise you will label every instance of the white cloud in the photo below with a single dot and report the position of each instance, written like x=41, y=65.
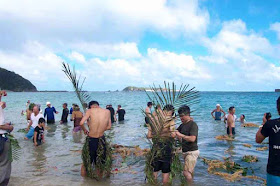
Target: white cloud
x=76, y=56
x=91, y=20
x=156, y=67
x=276, y=27
x=240, y=54
x=36, y=63
x=119, y=50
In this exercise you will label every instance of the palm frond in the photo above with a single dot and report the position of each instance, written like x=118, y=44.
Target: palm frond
x=159, y=121
x=77, y=83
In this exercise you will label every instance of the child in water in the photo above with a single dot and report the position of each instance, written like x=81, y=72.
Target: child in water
x=39, y=133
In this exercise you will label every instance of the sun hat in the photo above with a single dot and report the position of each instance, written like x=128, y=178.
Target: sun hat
x=48, y=103
x=218, y=105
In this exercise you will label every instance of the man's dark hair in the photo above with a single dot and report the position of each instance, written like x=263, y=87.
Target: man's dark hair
x=92, y=103
x=169, y=107
x=41, y=120
x=149, y=104
x=119, y=106
x=243, y=116
x=185, y=110
x=231, y=108
x=65, y=104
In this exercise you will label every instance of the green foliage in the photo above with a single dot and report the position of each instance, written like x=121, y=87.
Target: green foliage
x=103, y=166
x=77, y=84
x=14, y=82
x=14, y=151
x=159, y=121
x=22, y=130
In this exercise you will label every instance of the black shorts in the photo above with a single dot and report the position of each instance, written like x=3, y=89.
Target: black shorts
x=147, y=120
x=162, y=165
x=51, y=121
x=163, y=162
x=93, y=148
x=233, y=130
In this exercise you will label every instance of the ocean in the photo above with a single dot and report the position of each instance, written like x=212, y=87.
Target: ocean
x=58, y=161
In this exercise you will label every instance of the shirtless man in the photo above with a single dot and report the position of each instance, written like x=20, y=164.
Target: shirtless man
x=148, y=112
x=231, y=122
x=98, y=120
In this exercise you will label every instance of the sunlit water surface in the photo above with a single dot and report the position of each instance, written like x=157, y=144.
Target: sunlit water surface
x=58, y=161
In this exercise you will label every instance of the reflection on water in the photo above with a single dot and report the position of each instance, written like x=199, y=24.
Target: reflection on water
x=58, y=161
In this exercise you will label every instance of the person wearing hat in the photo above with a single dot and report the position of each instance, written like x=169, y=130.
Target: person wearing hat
x=49, y=112
x=218, y=113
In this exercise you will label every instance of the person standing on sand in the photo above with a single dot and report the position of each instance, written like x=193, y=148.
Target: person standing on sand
x=65, y=112
x=35, y=116
x=98, y=120
x=121, y=113
x=5, y=128
x=77, y=116
x=271, y=129
x=49, y=112
x=218, y=112
x=188, y=134
x=231, y=121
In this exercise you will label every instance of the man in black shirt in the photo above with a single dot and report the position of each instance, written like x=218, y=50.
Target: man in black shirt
x=188, y=133
x=112, y=111
x=121, y=113
x=65, y=113
x=271, y=129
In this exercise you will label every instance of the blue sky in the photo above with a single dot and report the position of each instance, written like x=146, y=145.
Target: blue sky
x=229, y=45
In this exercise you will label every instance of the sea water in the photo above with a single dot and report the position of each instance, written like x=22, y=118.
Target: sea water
x=58, y=161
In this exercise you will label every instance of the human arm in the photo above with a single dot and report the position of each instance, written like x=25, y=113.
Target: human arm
x=192, y=134
x=263, y=131
x=213, y=113
x=7, y=127
x=184, y=137
x=109, y=125
x=55, y=111
x=84, y=119
x=35, y=138
x=45, y=113
x=29, y=125
x=223, y=113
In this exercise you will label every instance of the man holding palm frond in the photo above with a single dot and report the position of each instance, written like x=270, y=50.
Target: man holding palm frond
x=162, y=141
x=187, y=133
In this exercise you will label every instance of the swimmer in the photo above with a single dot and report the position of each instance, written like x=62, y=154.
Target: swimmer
x=218, y=112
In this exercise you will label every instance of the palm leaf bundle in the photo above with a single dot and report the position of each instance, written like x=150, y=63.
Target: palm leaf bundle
x=159, y=121
x=77, y=83
x=84, y=97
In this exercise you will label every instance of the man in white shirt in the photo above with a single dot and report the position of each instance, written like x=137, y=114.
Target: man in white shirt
x=35, y=116
x=5, y=163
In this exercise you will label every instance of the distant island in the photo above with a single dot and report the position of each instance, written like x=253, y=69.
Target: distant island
x=132, y=88
x=14, y=82
x=139, y=89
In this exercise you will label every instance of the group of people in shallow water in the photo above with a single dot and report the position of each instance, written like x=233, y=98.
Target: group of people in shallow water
x=100, y=120
x=229, y=119
x=36, y=120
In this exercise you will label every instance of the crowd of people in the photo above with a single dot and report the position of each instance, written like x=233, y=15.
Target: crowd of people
x=100, y=120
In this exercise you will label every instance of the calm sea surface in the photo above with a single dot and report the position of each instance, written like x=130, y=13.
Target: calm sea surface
x=58, y=161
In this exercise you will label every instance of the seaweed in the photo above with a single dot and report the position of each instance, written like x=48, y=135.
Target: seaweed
x=250, y=158
x=229, y=170
x=14, y=151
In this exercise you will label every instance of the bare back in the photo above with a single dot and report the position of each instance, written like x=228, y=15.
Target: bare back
x=99, y=121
